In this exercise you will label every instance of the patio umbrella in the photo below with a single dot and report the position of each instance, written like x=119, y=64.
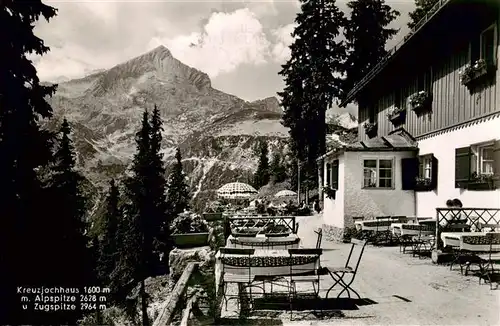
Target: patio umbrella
x=236, y=190
x=285, y=193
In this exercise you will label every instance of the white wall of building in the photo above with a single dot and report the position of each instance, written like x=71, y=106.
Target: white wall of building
x=333, y=209
x=443, y=148
x=375, y=202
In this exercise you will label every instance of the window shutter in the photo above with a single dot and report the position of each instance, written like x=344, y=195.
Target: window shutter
x=496, y=162
x=335, y=175
x=434, y=172
x=409, y=173
x=328, y=174
x=462, y=166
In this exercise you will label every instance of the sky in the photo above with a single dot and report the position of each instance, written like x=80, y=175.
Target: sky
x=241, y=45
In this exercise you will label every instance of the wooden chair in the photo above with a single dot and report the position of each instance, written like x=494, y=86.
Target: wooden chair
x=487, y=266
x=230, y=275
x=300, y=274
x=424, y=242
x=383, y=234
x=350, y=268
x=319, y=233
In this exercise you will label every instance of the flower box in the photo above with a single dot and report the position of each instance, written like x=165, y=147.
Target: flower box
x=329, y=192
x=190, y=240
x=481, y=182
x=423, y=184
x=472, y=73
x=421, y=102
x=370, y=129
x=212, y=216
x=397, y=116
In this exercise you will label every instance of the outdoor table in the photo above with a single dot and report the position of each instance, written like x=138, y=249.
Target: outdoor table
x=374, y=225
x=476, y=241
x=261, y=241
x=411, y=229
x=265, y=262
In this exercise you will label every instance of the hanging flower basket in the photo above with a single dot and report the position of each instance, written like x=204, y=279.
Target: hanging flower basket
x=329, y=192
x=420, y=102
x=370, y=129
x=397, y=115
x=470, y=73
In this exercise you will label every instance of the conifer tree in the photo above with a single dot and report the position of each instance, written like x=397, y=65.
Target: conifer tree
x=158, y=187
x=71, y=244
x=366, y=34
x=139, y=210
x=312, y=77
x=109, y=245
x=262, y=175
x=422, y=8
x=277, y=168
x=178, y=192
x=24, y=149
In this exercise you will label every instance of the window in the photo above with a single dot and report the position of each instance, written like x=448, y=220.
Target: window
x=420, y=173
x=377, y=173
x=482, y=159
x=488, y=45
x=425, y=167
x=332, y=174
x=477, y=164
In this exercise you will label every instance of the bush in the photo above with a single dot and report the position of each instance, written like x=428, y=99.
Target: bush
x=188, y=222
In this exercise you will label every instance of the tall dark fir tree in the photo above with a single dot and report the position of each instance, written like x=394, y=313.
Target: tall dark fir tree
x=158, y=188
x=109, y=243
x=24, y=149
x=141, y=229
x=366, y=33
x=312, y=77
x=178, y=191
x=262, y=174
x=422, y=8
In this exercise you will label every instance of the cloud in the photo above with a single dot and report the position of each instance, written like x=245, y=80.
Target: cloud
x=283, y=36
x=227, y=41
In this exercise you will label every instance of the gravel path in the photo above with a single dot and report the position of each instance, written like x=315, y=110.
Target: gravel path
x=437, y=295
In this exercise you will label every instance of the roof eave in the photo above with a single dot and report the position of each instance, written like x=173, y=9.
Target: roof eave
x=390, y=55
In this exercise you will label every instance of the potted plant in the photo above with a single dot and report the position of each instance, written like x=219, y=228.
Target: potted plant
x=469, y=72
x=397, y=115
x=420, y=101
x=189, y=230
x=481, y=182
x=277, y=230
x=329, y=192
x=246, y=232
x=370, y=129
x=423, y=184
x=213, y=213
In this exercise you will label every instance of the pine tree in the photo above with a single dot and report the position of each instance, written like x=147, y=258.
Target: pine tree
x=277, y=169
x=24, y=149
x=109, y=245
x=422, y=8
x=178, y=192
x=366, y=34
x=311, y=77
x=71, y=243
x=158, y=187
x=262, y=175
x=139, y=211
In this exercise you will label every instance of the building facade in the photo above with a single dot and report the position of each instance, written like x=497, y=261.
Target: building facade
x=441, y=87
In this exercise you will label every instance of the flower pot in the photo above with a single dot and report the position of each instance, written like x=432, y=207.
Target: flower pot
x=212, y=216
x=480, y=186
x=190, y=240
x=397, y=118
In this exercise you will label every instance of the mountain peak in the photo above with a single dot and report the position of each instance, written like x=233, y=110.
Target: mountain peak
x=161, y=49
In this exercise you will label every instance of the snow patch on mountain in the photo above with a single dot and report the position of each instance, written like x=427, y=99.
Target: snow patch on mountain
x=263, y=127
x=346, y=120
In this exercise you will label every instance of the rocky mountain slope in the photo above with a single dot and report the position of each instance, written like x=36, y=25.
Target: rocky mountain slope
x=217, y=132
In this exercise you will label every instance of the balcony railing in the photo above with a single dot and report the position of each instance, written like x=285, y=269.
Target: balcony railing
x=474, y=217
x=375, y=70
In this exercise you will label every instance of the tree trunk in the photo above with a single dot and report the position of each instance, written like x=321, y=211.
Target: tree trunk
x=144, y=304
